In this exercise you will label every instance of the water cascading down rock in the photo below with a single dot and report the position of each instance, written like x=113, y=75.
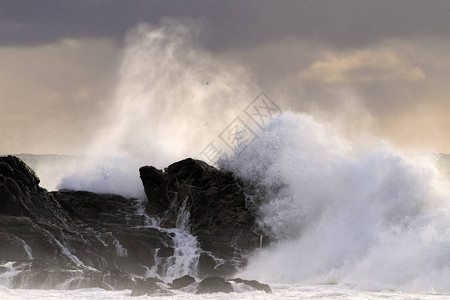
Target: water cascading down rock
x=195, y=222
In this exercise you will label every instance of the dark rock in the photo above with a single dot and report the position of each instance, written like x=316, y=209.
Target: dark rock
x=128, y=247
x=77, y=239
x=182, y=282
x=40, y=274
x=69, y=230
x=225, y=269
x=149, y=287
x=206, y=265
x=216, y=201
x=154, y=186
x=254, y=284
x=20, y=194
x=214, y=285
x=165, y=252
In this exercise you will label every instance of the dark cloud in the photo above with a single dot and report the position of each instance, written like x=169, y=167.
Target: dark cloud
x=344, y=23
x=383, y=64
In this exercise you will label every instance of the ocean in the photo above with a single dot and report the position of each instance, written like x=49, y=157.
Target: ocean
x=280, y=291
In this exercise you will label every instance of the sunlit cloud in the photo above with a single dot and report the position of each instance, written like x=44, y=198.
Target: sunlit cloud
x=373, y=64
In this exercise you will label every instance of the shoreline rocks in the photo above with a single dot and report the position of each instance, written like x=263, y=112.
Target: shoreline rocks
x=219, y=217
x=75, y=239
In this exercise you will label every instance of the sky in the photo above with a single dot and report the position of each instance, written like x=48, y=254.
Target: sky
x=377, y=68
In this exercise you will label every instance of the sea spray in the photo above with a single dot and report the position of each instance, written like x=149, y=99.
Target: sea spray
x=172, y=99
x=373, y=217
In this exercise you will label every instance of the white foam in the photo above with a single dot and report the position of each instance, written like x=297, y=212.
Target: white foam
x=186, y=247
x=121, y=251
x=345, y=213
x=280, y=291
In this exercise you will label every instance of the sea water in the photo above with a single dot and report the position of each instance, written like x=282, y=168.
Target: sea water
x=280, y=291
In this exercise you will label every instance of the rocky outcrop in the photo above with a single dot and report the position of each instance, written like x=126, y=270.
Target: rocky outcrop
x=214, y=285
x=77, y=239
x=80, y=237
x=219, y=217
x=182, y=282
x=253, y=284
x=150, y=287
x=115, y=233
x=39, y=274
x=30, y=217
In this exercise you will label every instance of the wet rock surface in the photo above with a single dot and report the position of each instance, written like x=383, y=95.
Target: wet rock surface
x=76, y=239
x=214, y=285
x=182, y=282
x=219, y=217
x=150, y=287
x=253, y=284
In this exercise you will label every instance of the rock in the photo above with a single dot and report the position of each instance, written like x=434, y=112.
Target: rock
x=153, y=180
x=78, y=239
x=65, y=232
x=254, y=284
x=40, y=274
x=149, y=287
x=209, y=267
x=214, y=285
x=21, y=194
x=129, y=246
x=32, y=222
x=206, y=265
x=182, y=282
x=216, y=201
x=166, y=252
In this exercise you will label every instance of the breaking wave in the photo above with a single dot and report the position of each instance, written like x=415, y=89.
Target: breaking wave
x=340, y=212
x=346, y=214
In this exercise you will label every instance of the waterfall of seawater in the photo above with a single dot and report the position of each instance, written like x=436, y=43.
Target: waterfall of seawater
x=186, y=247
x=25, y=246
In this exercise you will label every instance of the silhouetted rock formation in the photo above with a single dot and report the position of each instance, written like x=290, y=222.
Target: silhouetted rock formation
x=219, y=216
x=254, y=284
x=182, y=282
x=214, y=285
x=77, y=239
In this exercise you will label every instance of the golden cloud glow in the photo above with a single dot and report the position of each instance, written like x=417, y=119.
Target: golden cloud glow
x=378, y=64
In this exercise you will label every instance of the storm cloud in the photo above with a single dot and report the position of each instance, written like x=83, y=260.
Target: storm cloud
x=366, y=66
x=344, y=23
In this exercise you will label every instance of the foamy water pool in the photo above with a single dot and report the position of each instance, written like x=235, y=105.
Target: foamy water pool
x=280, y=291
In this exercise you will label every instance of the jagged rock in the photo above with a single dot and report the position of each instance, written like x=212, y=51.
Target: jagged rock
x=214, y=285
x=76, y=239
x=30, y=217
x=254, y=284
x=40, y=274
x=21, y=195
x=153, y=179
x=130, y=247
x=149, y=287
x=182, y=282
x=67, y=227
x=219, y=217
x=206, y=265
